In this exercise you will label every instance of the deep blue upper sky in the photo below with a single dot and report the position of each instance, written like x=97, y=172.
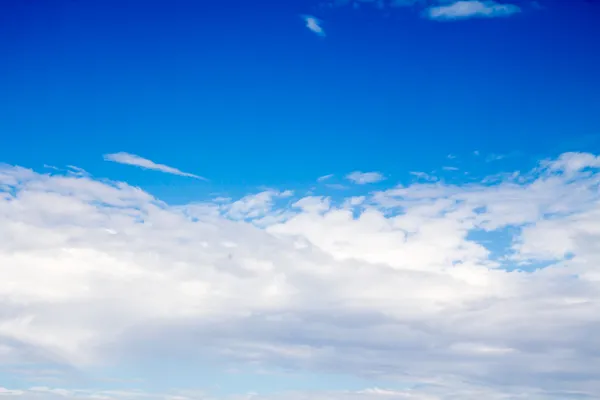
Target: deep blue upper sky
x=243, y=93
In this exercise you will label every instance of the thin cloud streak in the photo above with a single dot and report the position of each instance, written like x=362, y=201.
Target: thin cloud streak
x=324, y=178
x=137, y=161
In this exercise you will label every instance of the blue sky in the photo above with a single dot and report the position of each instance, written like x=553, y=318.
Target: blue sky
x=299, y=199
x=235, y=90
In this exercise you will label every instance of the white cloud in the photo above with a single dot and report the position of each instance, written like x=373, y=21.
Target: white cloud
x=464, y=9
x=439, y=389
x=254, y=205
x=436, y=9
x=362, y=178
x=495, y=157
x=132, y=159
x=387, y=284
x=573, y=162
x=324, y=178
x=314, y=24
x=424, y=176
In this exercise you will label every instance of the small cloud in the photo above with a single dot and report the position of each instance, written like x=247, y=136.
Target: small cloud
x=73, y=170
x=451, y=156
x=495, y=157
x=324, y=178
x=361, y=178
x=476, y=153
x=424, y=176
x=314, y=24
x=450, y=168
x=356, y=200
x=464, y=9
x=137, y=161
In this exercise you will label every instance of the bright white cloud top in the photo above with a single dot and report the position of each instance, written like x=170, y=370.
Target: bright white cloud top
x=137, y=161
x=402, y=283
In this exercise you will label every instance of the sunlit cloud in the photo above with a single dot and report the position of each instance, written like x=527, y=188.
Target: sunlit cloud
x=405, y=282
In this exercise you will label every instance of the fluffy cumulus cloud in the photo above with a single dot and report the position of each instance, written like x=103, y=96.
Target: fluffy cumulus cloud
x=483, y=290
x=137, y=161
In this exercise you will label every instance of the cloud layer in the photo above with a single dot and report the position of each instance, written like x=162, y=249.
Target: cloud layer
x=483, y=290
x=137, y=161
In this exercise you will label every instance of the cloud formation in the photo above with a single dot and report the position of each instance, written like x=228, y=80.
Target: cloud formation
x=362, y=178
x=137, y=161
x=401, y=283
x=464, y=9
x=324, y=178
x=432, y=392
x=437, y=9
x=314, y=25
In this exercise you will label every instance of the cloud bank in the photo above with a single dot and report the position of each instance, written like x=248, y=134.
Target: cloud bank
x=137, y=161
x=489, y=289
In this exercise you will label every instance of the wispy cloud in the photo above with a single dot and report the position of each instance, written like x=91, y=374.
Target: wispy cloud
x=423, y=176
x=361, y=178
x=464, y=9
x=495, y=157
x=137, y=161
x=324, y=178
x=314, y=24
